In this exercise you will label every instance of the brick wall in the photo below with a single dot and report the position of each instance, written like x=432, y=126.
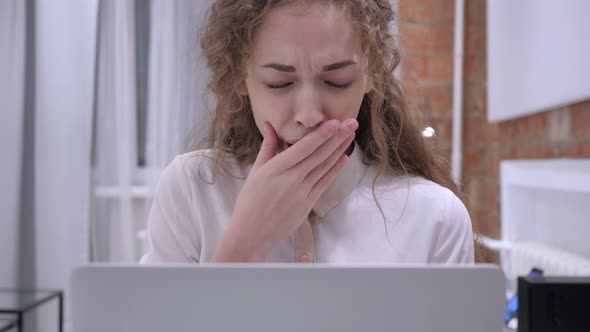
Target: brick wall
x=426, y=38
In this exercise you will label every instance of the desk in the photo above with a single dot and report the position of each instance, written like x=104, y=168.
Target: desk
x=7, y=323
x=17, y=302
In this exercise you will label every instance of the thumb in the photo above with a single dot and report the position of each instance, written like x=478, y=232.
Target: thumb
x=269, y=146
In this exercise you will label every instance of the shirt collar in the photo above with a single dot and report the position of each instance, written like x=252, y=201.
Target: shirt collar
x=350, y=176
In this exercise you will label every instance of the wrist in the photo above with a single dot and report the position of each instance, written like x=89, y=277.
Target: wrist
x=240, y=246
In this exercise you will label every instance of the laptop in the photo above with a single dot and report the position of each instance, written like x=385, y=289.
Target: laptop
x=287, y=298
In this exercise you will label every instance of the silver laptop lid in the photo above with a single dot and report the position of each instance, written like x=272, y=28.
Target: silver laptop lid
x=255, y=298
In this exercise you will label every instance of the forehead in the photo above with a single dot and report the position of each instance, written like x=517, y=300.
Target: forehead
x=316, y=32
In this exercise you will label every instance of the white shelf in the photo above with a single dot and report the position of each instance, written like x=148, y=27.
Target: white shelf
x=546, y=201
x=571, y=175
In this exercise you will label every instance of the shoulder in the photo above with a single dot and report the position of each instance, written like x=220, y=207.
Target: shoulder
x=417, y=188
x=203, y=166
x=191, y=161
x=427, y=199
x=430, y=193
x=439, y=210
x=194, y=174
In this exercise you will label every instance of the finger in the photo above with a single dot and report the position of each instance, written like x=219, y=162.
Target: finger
x=269, y=146
x=324, y=152
x=307, y=145
x=317, y=173
x=320, y=187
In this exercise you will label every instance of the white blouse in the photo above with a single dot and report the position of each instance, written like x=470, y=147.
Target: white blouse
x=424, y=222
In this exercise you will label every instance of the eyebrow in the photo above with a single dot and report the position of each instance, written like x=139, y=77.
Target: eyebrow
x=291, y=69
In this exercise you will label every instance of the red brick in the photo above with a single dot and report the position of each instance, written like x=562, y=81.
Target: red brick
x=531, y=129
x=537, y=152
x=471, y=187
x=473, y=131
x=474, y=68
x=523, y=152
x=412, y=90
x=442, y=38
x=440, y=97
x=414, y=68
x=475, y=39
x=475, y=11
x=474, y=99
x=493, y=133
x=491, y=192
x=513, y=152
x=426, y=11
x=488, y=256
x=585, y=153
x=506, y=132
x=580, y=113
x=540, y=151
x=494, y=219
x=572, y=150
x=409, y=11
x=537, y=126
x=505, y=152
x=548, y=152
x=447, y=11
x=447, y=130
x=520, y=129
x=441, y=67
x=493, y=162
x=417, y=11
x=414, y=38
x=472, y=161
x=488, y=223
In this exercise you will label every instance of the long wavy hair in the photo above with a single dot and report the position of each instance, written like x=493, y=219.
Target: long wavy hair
x=388, y=134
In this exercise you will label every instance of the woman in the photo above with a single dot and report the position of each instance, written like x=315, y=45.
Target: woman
x=313, y=154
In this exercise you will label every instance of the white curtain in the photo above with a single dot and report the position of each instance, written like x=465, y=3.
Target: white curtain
x=12, y=73
x=47, y=51
x=66, y=197
x=64, y=67
x=115, y=147
x=176, y=80
x=65, y=41
x=178, y=108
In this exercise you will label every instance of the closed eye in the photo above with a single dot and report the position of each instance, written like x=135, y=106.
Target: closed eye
x=331, y=84
x=338, y=86
x=279, y=86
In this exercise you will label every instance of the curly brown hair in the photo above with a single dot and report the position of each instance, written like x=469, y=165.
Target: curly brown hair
x=388, y=134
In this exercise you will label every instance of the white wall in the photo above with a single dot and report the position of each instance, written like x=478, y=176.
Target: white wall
x=538, y=56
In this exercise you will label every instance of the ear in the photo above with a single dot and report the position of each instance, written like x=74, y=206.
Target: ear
x=243, y=89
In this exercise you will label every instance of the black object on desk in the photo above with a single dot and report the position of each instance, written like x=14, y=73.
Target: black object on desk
x=17, y=302
x=553, y=304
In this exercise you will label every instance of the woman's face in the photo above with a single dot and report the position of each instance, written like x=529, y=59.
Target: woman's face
x=306, y=66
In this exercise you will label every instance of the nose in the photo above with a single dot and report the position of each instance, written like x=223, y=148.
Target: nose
x=309, y=110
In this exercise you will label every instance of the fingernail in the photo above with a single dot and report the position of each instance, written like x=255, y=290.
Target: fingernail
x=352, y=124
x=333, y=125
